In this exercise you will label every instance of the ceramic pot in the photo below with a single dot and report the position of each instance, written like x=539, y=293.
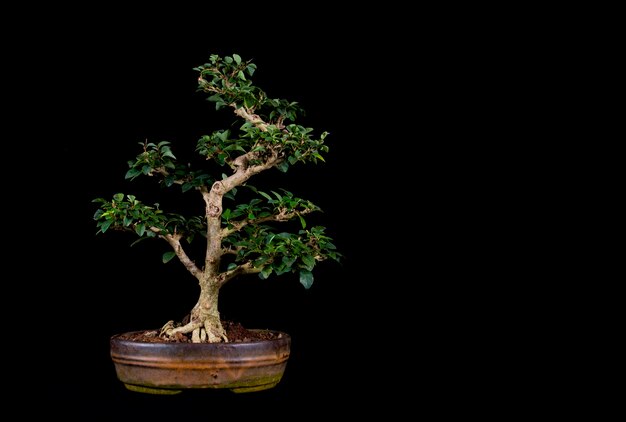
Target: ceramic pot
x=169, y=368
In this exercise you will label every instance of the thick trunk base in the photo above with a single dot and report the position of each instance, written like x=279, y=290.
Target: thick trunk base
x=203, y=329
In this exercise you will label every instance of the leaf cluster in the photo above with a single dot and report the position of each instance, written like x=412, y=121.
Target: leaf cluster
x=268, y=137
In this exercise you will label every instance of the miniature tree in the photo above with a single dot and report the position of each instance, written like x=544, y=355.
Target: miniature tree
x=241, y=238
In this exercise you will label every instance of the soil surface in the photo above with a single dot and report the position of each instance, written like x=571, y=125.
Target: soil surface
x=235, y=332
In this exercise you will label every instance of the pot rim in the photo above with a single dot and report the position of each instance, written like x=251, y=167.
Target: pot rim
x=283, y=337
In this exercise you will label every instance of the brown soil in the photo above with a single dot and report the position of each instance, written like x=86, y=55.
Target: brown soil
x=235, y=332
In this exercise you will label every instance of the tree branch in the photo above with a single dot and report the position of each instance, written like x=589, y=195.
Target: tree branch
x=162, y=171
x=281, y=217
x=255, y=119
x=246, y=268
x=244, y=171
x=229, y=251
x=174, y=241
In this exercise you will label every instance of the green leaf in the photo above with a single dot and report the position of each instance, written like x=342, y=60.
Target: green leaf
x=118, y=197
x=309, y=261
x=228, y=59
x=132, y=173
x=140, y=229
x=231, y=266
x=265, y=272
x=283, y=166
x=167, y=256
x=168, y=153
x=306, y=278
x=288, y=260
x=223, y=135
x=282, y=270
x=237, y=59
x=269, y=198
x=248, y=102
x=302, y=221
x=261, y=260
x=127, y=221
x=241, y=75
x=105, y=225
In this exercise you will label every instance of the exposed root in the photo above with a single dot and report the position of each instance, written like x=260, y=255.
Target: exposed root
x=208, y=331
x=169, y=325
x=214, y=330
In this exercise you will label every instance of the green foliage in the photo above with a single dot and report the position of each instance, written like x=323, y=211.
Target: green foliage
x=226, y=82
x=225, y=79
x=167, y=256
x=267, y=137
x=126, y=213
x=283, y=252
x=294, y=142
x=268, y=207
x=158, y=159
x=154, y=158
x=220, y=147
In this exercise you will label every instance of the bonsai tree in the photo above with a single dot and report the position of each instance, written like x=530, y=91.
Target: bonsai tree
x=242, y=237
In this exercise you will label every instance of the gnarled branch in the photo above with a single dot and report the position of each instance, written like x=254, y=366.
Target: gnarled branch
x=246, y=268
x=174, y=241
x=282, y=216
x=255, y=119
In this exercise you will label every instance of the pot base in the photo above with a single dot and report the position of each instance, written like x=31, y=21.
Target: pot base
x=255, y=386
x=252, y=389
x=149, y=390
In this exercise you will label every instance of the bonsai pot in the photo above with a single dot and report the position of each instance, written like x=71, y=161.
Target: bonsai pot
x=170, y=368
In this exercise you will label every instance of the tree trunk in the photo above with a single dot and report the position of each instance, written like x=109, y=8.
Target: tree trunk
x=204, y=324
x=206, y=312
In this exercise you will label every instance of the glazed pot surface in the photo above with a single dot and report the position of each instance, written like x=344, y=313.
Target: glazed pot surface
x=169, y=368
